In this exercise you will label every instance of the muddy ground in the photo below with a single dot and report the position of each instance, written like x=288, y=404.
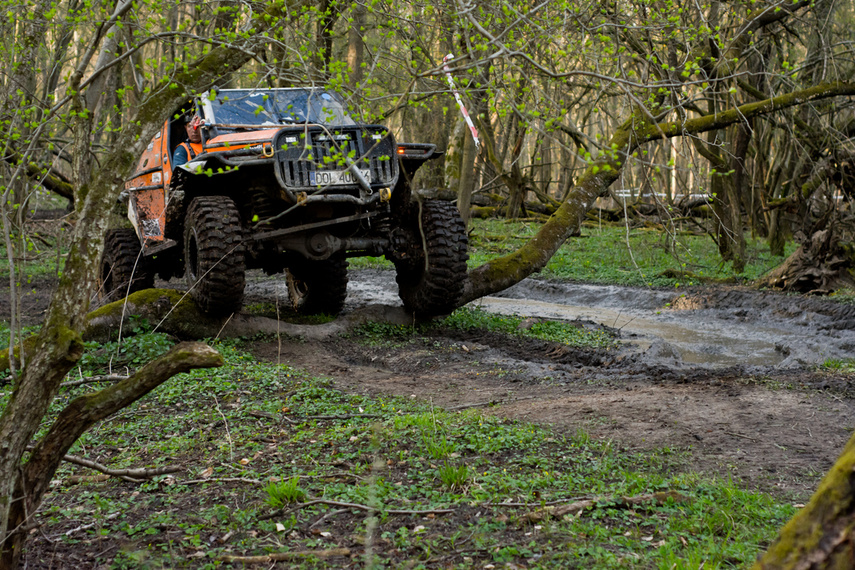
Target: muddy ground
x=726, y=376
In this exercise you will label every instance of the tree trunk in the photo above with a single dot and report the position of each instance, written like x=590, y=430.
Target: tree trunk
x=467, y=177
x=78, y=416
x=355, y=47
x=58, y=345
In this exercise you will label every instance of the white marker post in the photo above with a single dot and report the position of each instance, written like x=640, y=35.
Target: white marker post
x=457, y=98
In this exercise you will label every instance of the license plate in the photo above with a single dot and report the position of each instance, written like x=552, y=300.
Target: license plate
x=336, y=177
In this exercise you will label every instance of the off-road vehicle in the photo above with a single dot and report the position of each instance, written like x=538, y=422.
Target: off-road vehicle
x=286, y=181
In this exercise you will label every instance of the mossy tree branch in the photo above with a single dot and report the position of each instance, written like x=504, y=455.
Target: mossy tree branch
x=58, y=346
x=83, y=412
x=502, y=272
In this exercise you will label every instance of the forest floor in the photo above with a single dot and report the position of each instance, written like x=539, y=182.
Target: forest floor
x=754, y=388
x=733, y=376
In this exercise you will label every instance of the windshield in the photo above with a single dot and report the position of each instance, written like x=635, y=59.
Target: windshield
x=274, y=107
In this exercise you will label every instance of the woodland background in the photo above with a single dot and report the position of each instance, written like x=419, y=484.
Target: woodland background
x=726, y=116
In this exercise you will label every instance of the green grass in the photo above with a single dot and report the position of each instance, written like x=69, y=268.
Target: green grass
x=469, y=318
x=609, y=255
x=253, y=450
x=555, y=331
x=605, y=254
x=845, y=365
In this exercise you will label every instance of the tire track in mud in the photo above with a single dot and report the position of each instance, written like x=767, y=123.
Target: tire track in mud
x=777, y=427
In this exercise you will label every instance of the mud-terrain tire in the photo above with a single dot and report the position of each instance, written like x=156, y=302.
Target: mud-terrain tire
x=123, y=270
x=432, y=284
x=318, y=287
x=214, y=263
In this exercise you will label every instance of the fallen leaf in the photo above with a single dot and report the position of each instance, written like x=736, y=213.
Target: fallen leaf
x=647, y=538
x=280, y=527
x=326, y=534
x=206, y=473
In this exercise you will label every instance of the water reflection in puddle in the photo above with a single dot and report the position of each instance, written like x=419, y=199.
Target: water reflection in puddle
x=711, y=344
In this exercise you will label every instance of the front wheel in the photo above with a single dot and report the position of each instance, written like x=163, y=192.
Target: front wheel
x=317, y=287
x=123, y=269
x=432, y=283
x=215, y=268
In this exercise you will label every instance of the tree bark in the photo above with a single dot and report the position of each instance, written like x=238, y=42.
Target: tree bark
x=355, y=46
x=822, y=535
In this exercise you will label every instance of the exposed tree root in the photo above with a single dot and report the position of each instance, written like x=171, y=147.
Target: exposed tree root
x=820, y=265
x=172, y=312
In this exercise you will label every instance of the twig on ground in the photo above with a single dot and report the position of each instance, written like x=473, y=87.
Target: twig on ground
x=489, y=403
x=621, y=502
x=740, y=435
x=261, y=415
x=330, y=514
x=95, y=380
x=221, y=480
x=286, y=556
x=132, y=475
x=85, y=526
x=357, y=506
x=538, y=503
x=228, y=433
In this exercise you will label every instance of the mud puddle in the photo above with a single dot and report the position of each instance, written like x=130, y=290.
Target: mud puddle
x=713, y=328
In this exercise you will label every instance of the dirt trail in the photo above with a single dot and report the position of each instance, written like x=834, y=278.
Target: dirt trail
x=723, y=376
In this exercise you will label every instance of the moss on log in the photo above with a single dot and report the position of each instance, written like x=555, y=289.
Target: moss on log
x=822, y=535
x=175, y=313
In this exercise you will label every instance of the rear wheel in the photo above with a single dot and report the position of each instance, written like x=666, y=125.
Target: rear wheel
x=123, y=269
x=215, y=268
x=317, y=287
x=432, y=283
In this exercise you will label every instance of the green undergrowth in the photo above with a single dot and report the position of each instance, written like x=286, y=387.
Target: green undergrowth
x=562, y=332
x=608, y=254
x=845, y=365
x=257, y=443
x=470, y=318
x=615, y=255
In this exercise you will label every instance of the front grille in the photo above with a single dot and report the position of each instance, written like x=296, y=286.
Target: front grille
x=300, y=152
